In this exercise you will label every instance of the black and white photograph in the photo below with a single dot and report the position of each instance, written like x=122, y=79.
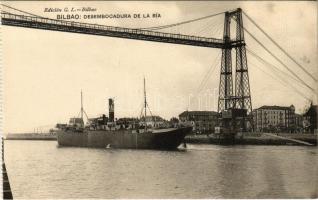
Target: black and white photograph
x=159, y=99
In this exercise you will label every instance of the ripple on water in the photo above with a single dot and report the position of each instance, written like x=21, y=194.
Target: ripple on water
x=41, y=169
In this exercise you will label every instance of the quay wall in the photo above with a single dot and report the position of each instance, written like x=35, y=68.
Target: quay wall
x=255, y=139
x=30, y=136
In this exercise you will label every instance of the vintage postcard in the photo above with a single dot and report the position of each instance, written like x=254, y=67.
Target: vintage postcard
x=159, y=99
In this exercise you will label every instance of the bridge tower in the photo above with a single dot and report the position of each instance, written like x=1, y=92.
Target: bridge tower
x=237, y=96
x=234, y=96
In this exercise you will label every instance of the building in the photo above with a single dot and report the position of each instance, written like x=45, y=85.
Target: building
x=310, y=119
x=274, y=118
x=203, y=121
x=299, y=122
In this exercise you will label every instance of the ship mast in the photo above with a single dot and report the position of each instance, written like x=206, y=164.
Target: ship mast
x=145, y=103
x=82, y=109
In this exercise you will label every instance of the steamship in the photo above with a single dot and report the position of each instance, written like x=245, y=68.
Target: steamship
x=129, y=133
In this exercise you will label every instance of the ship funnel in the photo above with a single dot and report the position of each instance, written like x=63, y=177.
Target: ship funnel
x=111, y=107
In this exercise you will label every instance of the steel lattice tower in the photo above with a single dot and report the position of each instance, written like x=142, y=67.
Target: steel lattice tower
x=239, y=98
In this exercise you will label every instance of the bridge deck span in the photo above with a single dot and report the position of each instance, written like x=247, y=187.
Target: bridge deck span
x=111, y=31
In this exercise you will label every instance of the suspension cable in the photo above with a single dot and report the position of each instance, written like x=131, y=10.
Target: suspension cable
x=281, y=48
x=279, y=60
x=271, y=65
x=180, y=23
x=211, y=70
x=21, y=11
x=286, y=84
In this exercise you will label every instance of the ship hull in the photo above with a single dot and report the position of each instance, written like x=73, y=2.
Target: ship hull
x=159, y=139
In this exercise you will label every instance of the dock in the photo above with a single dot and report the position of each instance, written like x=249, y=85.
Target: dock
x=30, y=136
x=290, y=139
x=259, y=139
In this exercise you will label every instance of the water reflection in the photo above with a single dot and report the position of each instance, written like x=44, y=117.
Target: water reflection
x=234, y=169
x=274, y=183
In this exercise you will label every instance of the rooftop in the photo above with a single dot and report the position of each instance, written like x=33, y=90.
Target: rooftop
x=274, y=107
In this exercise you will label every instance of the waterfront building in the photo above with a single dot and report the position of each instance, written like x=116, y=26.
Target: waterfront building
x=203, y=121
x=274, y=118
x=299, y=122
x=310, y=119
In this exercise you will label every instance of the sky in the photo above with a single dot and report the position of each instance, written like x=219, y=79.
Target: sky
x=45, y=71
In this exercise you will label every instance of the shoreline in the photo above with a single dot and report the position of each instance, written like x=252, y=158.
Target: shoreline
x=246, y=139
x=30, y=136
x=256, y=139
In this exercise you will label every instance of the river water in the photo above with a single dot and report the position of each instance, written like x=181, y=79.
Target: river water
x=41, y=169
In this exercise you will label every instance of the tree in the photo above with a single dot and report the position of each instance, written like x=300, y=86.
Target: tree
x=174, y=120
